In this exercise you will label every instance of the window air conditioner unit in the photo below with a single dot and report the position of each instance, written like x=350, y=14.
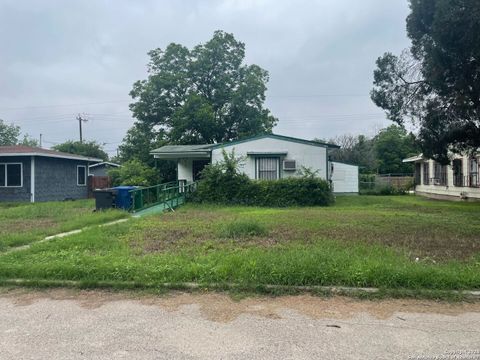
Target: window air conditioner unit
x=289, y=165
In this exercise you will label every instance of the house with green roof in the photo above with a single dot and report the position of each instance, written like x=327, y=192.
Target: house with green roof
x=264, y=157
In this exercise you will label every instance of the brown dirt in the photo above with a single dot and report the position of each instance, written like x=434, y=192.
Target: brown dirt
x=15, y=226
x=221, y=307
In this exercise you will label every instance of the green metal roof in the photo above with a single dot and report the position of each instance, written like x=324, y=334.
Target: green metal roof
x=279, y=137
x=201, y=148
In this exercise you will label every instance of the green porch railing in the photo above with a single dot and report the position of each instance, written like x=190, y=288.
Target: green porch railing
x=170, y=195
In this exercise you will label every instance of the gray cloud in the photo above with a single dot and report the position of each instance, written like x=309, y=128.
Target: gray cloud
x=59, y=58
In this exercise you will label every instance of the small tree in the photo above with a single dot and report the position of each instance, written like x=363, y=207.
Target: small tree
x=134, y=173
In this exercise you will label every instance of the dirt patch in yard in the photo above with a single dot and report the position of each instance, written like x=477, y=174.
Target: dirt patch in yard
x=221, y=307
x=22, y=225
x=160, y=239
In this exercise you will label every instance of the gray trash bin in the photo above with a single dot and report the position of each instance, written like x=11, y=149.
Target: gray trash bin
x=104, y=199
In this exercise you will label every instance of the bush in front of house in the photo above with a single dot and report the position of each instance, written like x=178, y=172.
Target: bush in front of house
x=222, y=184
x=134, y=173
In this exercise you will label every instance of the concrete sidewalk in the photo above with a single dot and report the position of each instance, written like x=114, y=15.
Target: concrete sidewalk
x=63, y=324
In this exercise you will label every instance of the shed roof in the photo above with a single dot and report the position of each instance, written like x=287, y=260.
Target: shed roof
x=22, y=150
x=107, y=163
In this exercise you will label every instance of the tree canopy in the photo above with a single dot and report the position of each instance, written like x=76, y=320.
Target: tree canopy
x=391, y=146
x=383, y=153
x=10, y=135
x=355, y=150
x=85, y=148
x=436, y=82
x=203, y=95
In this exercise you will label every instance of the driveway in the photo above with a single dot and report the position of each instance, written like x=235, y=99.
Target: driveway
x=62, y=324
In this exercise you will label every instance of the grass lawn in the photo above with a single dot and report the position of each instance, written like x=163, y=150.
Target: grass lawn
x=361, y=241
x=24, y=223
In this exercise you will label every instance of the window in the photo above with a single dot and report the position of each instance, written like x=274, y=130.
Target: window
x=267, y=168
x=440, y=174
x=81, y=175
x=426, y=173
x=11, y=175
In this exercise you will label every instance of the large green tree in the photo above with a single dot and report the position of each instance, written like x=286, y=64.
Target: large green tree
x=137, y=144
x=203, y=95
x=85, y=148
x=436, y=82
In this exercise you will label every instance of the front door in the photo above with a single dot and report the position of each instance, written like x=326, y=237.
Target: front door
x=197, y=167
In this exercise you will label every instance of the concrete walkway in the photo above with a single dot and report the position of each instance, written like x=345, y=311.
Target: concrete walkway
x=63, y=324
x=61, y=235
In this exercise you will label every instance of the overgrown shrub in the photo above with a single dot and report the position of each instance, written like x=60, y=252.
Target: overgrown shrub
x=384, y=190
x=242, y=229
x=223, y=184
x=135, y=173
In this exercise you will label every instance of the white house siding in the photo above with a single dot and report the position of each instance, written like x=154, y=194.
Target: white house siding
x=448, y=191
x=344, y=177
x=309, y=156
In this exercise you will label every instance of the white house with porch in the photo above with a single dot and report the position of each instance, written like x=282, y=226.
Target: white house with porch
x=264, y=157
x=457, y=181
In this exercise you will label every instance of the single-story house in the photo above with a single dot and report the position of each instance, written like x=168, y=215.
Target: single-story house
x=101, y=169
x=455, y=181
x=36, y=174
x=264, y=157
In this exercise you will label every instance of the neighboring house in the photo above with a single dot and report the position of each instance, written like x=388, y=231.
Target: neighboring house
x=458, y=180
x=264, y=157
x=101, y=169
x=35, y=174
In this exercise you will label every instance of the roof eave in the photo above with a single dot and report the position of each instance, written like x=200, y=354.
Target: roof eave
x=59, y=156
x=182, y=155
x=414, y=159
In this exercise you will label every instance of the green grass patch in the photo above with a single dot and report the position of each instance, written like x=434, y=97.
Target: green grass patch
x=23, y=223
x=359, y=242
x=242, y=228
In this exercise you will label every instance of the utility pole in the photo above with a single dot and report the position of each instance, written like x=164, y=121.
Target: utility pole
x=40, y=142
x=81, y=119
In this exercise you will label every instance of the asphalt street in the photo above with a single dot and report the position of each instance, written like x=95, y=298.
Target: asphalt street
x=91, y=325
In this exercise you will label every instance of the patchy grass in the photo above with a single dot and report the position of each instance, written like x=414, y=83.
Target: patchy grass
x=242, y=229
x=22, y=223
x=361, y=241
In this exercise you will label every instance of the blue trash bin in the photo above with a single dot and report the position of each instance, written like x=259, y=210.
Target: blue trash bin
x=123, y=199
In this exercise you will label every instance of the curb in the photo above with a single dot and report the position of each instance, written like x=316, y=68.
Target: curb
x=332, y=290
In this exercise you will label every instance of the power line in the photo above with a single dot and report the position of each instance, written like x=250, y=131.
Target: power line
x=127, y=101
x=64, y=105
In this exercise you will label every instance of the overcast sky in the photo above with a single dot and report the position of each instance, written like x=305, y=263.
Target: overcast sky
x=60, y=58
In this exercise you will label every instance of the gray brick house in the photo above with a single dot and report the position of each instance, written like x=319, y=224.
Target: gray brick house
x=34, y=174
